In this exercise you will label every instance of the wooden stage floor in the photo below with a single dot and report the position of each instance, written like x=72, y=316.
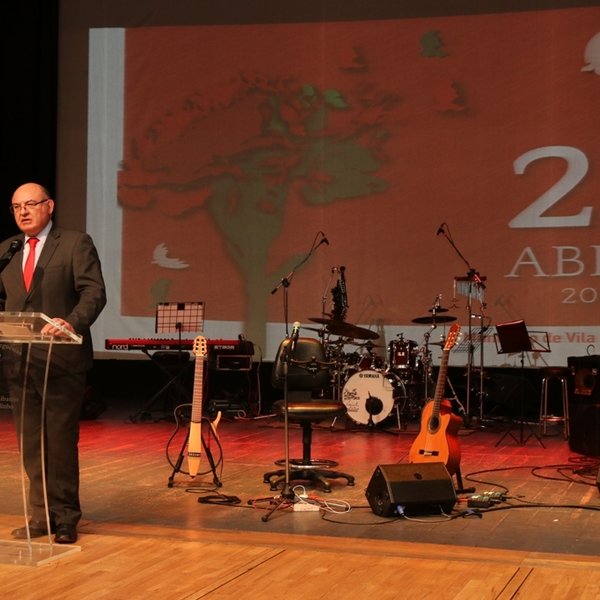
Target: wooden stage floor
x=141, y=538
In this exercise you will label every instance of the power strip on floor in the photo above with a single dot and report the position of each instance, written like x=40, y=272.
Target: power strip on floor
x=302, y=506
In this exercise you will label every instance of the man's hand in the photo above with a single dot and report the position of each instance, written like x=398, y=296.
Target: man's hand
x=51, y=329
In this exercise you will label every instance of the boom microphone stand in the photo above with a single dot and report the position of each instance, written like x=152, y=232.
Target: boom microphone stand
x=474, y=286
x=287, y=495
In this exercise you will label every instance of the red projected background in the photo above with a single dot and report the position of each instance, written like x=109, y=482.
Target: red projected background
x=242, y=143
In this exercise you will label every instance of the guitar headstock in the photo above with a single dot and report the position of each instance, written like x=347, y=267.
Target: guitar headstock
x=452, y=338
x=200, y=347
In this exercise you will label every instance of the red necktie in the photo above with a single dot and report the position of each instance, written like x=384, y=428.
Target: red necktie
x=30, y=263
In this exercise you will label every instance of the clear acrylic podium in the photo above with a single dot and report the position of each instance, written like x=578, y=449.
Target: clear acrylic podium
x=24, y=329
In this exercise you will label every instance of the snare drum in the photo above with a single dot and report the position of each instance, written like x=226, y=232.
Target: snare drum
x=368, y=396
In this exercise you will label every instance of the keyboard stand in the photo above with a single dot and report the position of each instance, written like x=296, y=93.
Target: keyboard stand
x=174, y=380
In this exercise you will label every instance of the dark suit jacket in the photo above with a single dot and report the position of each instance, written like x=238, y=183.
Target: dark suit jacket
x=67, y=283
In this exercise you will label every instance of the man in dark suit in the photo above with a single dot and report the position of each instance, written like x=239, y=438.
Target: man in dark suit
x=68, y=287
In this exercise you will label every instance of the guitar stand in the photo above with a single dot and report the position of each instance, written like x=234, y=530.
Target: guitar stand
x=177, y=468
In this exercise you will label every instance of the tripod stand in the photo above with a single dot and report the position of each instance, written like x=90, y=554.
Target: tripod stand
x=287, y=495
x=513, y=337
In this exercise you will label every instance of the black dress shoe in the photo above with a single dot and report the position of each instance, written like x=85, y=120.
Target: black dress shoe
x=65, y=534
x=36, y=529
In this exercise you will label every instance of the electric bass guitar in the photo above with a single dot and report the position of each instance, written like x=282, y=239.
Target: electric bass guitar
x=194, y=454
x=437, y=440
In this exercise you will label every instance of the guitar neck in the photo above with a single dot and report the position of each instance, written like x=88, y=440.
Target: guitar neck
x=441, y=382
x=198, y=390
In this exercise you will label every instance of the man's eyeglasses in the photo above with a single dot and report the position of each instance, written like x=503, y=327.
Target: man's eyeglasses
x=29, y=205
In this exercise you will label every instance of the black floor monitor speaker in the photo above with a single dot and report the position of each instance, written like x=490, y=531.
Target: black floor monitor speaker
x=419, y=488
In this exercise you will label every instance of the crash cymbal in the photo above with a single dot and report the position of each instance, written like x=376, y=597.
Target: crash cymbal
x=434, y=319
x=352, y=331
x=321, y=320
x=438, y=310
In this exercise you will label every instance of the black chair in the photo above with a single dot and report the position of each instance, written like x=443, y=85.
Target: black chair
x=307, y=378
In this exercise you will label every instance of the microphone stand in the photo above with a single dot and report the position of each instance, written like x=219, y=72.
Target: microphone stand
x=473, y=280
x=287, y=496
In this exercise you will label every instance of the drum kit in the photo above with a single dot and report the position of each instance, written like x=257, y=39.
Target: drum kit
x=372, y=384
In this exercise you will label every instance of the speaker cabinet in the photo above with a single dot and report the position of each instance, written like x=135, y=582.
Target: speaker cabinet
x=584, y=427
x=584, y=405
x=420, y=488
x=585, y=371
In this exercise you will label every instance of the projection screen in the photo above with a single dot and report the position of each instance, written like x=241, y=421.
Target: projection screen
x=419, y=164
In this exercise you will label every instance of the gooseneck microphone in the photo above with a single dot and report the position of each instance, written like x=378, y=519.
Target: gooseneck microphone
x=441, y=229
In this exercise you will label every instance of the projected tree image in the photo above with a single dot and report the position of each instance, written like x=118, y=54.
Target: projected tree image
x=241, y=156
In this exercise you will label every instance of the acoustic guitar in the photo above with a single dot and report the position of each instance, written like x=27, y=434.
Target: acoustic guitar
x=194, y=453
x=437, y=440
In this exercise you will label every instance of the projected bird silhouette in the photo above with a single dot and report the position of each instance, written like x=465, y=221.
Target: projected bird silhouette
x=160, y=257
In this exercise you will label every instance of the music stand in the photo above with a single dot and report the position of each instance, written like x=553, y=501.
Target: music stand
x=512, y=338
x=172, y=317
x=179, y=317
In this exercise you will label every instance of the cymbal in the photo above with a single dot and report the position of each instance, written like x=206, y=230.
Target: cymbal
x=367, y=344
x=434, y=319
x=438, y=310
x=352, y=331
x=320, y=320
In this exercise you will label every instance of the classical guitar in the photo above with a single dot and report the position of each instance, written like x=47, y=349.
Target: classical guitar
x=194, y=454
x=437, y=440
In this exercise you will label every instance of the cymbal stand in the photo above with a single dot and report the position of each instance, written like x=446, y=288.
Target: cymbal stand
x=474, y=285
x=427, y=361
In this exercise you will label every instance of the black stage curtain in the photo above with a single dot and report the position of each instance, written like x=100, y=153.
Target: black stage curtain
x=29, y=99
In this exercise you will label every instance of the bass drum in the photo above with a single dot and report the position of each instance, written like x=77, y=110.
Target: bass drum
x=368, y=396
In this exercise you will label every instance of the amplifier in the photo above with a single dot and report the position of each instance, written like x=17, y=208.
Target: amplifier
x=585, y=370
x=233, y=362
x=236, y=356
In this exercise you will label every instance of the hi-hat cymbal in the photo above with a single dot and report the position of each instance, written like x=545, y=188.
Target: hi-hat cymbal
x=438, y=310
x=367, y=344
x=434, y=319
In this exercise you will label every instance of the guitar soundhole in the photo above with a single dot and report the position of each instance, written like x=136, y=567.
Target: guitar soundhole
x=434, y=424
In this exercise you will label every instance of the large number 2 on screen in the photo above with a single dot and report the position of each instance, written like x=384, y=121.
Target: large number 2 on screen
x=577, y=166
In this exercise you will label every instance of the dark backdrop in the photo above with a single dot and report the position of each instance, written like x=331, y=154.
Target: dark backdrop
x=28, y=100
